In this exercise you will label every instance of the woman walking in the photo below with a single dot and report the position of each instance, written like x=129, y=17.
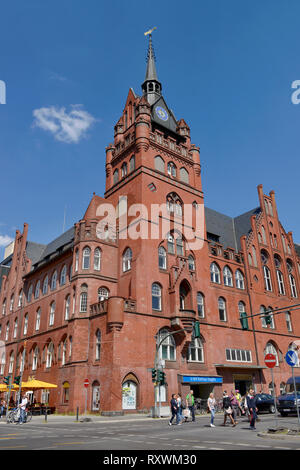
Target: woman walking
x=227, y=409
x=211, y=404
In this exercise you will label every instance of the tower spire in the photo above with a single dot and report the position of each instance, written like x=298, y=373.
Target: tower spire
x=151, y=86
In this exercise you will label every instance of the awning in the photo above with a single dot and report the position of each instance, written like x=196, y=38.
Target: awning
x=239, y=366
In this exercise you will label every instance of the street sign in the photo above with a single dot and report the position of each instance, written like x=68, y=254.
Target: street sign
x=270, y=360
x=86, y=383
x=291, y=358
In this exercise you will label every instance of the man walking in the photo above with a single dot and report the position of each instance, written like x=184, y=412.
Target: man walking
x=190, y=400
x=251, y=404
x=235, y=406
x=22, y=407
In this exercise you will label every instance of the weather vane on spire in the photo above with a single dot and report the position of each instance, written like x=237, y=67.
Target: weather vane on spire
x=150, y=31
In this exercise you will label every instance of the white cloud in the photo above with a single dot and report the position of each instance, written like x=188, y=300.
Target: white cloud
x=5, y=240
x=65, y=127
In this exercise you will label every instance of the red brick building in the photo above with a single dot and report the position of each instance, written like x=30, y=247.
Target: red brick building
x=92, y=307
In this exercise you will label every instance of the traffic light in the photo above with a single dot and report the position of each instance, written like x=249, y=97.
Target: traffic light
x=6, y=380
x=153, y=375
x=244, y=321
x=17, y=380
x=161, y=377
x=197, y=329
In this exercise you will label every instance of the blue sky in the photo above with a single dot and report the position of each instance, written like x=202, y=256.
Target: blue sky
x=226, y=68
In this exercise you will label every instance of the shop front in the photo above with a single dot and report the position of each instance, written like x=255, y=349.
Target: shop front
x=201, y=385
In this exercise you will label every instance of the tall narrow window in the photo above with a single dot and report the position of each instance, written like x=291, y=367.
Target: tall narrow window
x=227, y=276
x=83, y=302
x=179, y=246
x=215, y=273
x=171, y=245
x=97, y=259
x=63, y=275
x=52, y=314
x=200, y=305
x=29, y=296
x=239, y=279
x=4, y=307
x=86, y=258
x=35, y=358
x=45, y=285
x=267, y=278
x=15, y=328
x=54, y=280
x=167, y=349
x=222, y=309
x=64, y=352
x=67, y=307
x=288, y=321
x=162, y=258
x=156, y=296
x=132, y=163
x=127, y=258
x=280, y=282
x=191, y=262
x=116, y=176
x=38, y=319
x=20, y=299
x=98, y=345
x=49, y=356
x=11, y=363
x=11, y=303
x=2, y=367
x=7, y=331
x=195, y=352
x=76, y=260
x=293, y=285
x=37, y=290
x=124, y=170
x=25, y=324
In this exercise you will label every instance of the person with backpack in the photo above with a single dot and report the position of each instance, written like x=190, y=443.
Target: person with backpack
x=227, y=409
x=251, y=404
x=190, y=400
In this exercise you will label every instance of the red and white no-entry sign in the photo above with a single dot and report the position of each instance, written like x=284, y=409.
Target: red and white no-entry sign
x=270, y=360
x=86, y=383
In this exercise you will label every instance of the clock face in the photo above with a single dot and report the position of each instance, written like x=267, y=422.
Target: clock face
x=161, y=113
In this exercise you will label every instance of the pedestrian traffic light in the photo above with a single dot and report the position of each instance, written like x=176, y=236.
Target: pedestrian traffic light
x=153, y=375
x=17, y=380
x=197, y=329
x=244, y=321
x=6, y=380
x=161, y=377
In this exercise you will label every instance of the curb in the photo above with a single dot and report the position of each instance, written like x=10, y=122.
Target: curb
x=282, y=437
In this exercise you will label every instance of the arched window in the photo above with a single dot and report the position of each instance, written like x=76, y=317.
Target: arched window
x=132, y=163
x=29, y=296
x=86, y=255
x=162, y=258
x=184, y=176
x=127, y=258
x=64, y=353
x=70, y=346
x=254, y=255
x=45, y=285
x=37, y=290
x=174, y=204
x=239, y=279
x=293, y=285
x=76, y=260
x=156, y=296
x=280, y=282
x=267, y=278
x=2, y=366
x=67, y=307
x=52, y=314
x=20, y=298
x=63, y=275
x=124, y=170
x=4, y=307
x=191, y=262
x=116, y=176
x=38, y=319
x=270, y=349
x=222, y=309
x=185, y=295
x=103, y=294
x=172, y=169
x=11, y=303
x=54, y=280
x=98, y=345
x=7, y=331
x=215, y=273
x=15, y=328
x=97, y=259
x=263, y=234
x=179, y=246
x=288, y=321
x=25, y=324
x=195, y=352
x=159, y=164
x=227, y=276
x=11, y=363
x=83, y=302
x=200, y=305
x=167, y=349
x=35, y=358
x=49, y=355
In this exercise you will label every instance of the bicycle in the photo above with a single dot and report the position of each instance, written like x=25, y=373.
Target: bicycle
x=13, y=416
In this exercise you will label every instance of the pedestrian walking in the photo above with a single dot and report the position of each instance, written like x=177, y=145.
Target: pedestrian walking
x=180, y=407
x=227, y=409
x=211, y=405
x=235, y=406
x=174, y=409
x=22, y=407
x=251, y=404
x=1, y=409
x=190, y=400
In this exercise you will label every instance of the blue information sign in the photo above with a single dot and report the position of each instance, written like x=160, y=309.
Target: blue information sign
x=291, y=358
x=203, y=379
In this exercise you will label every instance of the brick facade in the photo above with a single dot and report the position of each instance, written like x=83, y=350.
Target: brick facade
x=111, y=341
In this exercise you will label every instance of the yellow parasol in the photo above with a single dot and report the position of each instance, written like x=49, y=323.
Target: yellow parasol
x=37, y=385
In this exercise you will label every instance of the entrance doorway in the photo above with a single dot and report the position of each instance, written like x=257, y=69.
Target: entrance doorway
x=243, y=386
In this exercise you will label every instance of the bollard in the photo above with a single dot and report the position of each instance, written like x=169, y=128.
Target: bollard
x=77, y=413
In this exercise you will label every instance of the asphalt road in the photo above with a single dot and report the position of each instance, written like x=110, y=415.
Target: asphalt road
x=143, y=434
